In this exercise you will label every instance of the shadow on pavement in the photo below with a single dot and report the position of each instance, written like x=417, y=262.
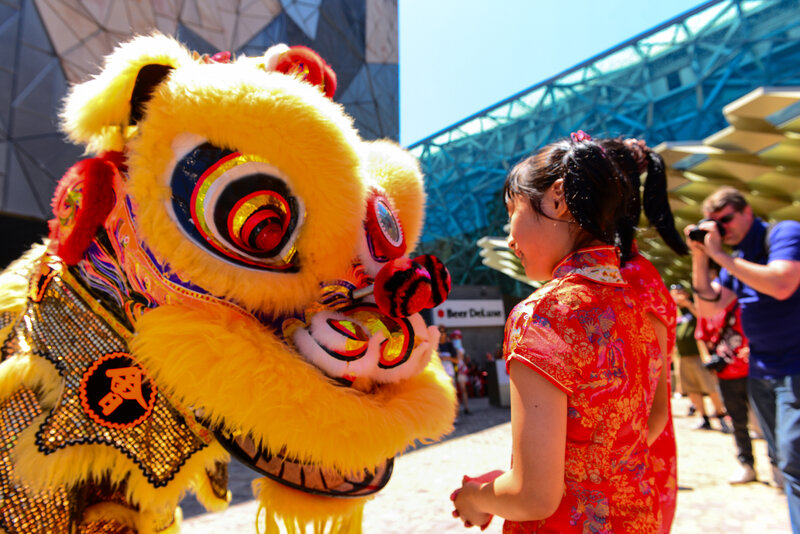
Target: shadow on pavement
x=483, y=415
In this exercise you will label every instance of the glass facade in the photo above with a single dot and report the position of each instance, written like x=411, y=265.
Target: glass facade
x=669, y=84
x=48, y=45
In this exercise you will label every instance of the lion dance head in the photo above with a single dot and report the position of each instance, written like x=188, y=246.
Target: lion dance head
x=229, y=273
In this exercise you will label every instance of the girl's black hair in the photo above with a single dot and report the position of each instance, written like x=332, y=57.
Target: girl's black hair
x=595, y=190
x=632, y=158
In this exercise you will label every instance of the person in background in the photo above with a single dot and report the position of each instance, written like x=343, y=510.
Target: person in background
x=462, y=372
x=763, y=273
x=634, y=158
x=448, y=356
x=696, y=380
x=724, y=350
x=579, y=352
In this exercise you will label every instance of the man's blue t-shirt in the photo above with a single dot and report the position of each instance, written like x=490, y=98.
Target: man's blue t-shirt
x=772, y=326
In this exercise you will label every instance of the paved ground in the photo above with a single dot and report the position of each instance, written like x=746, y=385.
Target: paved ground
x=416, y=499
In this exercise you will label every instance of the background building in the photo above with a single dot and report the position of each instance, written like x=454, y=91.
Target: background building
x=668, y=84
x=49, y=44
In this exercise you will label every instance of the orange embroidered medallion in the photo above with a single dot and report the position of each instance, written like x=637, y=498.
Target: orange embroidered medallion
x=116, y=392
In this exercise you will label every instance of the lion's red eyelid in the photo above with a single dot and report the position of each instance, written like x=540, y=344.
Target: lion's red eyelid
x=385, y=236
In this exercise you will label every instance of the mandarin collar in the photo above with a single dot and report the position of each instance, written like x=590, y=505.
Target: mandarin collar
x=599, y=264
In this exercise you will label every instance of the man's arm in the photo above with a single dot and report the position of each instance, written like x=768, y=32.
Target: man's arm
x=709, y=297
x=779, y=278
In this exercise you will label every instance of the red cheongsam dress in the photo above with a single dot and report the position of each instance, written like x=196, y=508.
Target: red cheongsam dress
x=587, y=334
x=654, y=296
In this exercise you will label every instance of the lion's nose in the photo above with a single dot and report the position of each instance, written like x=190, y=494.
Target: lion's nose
x=404, y=286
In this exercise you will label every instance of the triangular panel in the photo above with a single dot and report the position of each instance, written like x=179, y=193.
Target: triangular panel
x=21, y=197
x=36, y=106
x=194, y=41
x=341, y=35
x=305, y=13
x=359, y=102
x=384, y=83
x=276, y=32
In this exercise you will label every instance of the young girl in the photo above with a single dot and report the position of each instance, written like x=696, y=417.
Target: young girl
x=634, y=158
x=579, y=353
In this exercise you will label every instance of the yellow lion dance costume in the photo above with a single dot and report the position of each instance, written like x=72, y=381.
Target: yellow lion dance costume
x=229, y=274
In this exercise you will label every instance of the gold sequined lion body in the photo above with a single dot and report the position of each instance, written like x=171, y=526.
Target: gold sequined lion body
x=212, y=287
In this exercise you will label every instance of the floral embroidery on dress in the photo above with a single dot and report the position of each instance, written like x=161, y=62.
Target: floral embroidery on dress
x=590, y=510
x=652, y=295
x=585, y=334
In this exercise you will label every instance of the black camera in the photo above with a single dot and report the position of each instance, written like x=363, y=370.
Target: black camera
x=700, y=235
x=716, y=363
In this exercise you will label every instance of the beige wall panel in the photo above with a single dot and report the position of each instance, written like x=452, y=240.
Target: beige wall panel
x=267, y=9
x=118, y=20
x=99, y=25
x=208, y=25
x=98, y=9
x=97, y=47
x=381, y=31
x=58, y=18
x=141, y=16
x=82, y=61
x=168, y=25
x=167, y=8
x=86, y=60
x=219, y=23
x=255, y=15
x=190, y=14
x=227, y=17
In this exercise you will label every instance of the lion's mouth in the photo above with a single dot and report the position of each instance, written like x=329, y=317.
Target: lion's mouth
x=354, y=344
x=360, y=342
x=309, y=478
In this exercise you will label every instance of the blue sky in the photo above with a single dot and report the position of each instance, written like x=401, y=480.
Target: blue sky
x=458, y=57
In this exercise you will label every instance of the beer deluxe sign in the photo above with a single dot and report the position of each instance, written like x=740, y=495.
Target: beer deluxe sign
x=453, y=313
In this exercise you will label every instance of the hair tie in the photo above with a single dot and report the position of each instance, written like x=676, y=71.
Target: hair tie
x=638, y=150
x=579, y=136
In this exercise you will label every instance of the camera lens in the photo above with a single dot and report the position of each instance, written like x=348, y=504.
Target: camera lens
x=697, y=235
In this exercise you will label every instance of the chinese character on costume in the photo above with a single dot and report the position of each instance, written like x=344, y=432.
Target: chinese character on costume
x=229, y=273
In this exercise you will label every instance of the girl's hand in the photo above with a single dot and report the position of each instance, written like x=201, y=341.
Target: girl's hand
x=466, y=508
x=464, y=500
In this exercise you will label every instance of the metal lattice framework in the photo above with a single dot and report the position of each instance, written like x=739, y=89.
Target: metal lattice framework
x=668, y=84
x=48, y=44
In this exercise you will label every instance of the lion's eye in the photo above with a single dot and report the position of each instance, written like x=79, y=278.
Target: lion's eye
x=237, y=206
x=384, y=233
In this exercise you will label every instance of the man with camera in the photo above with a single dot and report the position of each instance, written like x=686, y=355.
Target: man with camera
x=764, y=274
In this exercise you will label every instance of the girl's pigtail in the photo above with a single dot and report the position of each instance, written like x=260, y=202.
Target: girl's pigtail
x=656, y=204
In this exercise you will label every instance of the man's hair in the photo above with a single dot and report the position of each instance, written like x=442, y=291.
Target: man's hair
x=724, y=196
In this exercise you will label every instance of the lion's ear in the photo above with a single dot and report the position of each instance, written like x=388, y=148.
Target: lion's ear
x=149, y=77
x=99, y=113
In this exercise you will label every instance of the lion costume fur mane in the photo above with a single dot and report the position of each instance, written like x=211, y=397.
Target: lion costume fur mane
x=197, y=295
